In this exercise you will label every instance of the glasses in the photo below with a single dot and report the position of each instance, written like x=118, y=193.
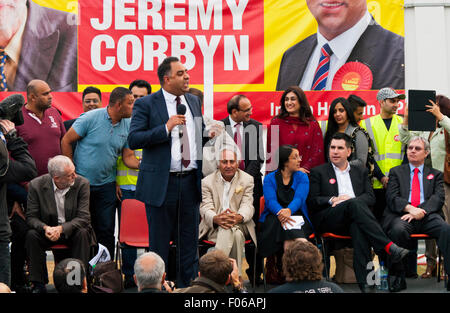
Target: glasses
x=298, y=157
x=410, y=148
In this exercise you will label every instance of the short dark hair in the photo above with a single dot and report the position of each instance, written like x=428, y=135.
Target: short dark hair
x=117, y=95
x=216, y=266
x=342, y=136
x=444, y=104
x=302, y=261
x=284, y=153
x=165, y=67
x=233, y=103
x=62, y=282
x=356, y=102
x=141, y=84
x=91, y=89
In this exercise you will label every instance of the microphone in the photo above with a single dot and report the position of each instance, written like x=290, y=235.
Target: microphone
x=181, y=110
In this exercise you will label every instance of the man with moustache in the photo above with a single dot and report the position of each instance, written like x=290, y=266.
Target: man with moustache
x=346, y=33
x=37, y=43
x=171, y=170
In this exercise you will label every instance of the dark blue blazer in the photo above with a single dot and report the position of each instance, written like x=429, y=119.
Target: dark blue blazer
x=148, y=132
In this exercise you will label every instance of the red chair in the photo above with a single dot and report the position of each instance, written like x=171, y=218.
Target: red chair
x=133, y=225
x=425, y=237
x=324, y=238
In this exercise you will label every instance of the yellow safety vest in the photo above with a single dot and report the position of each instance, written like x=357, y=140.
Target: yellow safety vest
x=323, y=127
x=387, y=145
x=126, y=175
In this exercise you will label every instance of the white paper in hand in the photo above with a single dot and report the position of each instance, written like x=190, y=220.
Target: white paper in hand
x=298, y=222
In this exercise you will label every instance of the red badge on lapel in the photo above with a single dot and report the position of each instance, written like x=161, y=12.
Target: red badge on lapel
x=332, y=181
x=430, y=177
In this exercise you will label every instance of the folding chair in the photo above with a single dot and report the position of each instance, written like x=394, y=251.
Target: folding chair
x=323, y=238
x=425, y=237
x=133, y=225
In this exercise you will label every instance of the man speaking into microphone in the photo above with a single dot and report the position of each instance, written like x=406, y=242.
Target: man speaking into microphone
x=169, y=181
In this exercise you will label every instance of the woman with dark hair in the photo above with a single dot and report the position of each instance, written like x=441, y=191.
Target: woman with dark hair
x=285, y=193
x=341, y=119
x=296, y=126
x=437, y=140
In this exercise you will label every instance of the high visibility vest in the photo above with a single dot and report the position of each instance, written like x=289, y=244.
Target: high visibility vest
x=126, y=175
x=323, y=127
x=387, y=145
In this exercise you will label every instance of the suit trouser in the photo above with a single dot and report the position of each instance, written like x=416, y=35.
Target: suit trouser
x=163, y=226
x=355, y=217
x=36, y=244
x=432, y=224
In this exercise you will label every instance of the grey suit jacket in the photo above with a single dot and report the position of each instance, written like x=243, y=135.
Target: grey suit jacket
x=49, y=50
x=381, y=50
x=41, y=205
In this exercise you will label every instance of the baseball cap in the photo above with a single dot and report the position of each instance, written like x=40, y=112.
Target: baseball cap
x=388, y=93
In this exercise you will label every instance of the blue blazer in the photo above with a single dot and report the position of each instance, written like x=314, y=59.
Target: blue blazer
x=301, y=187
x=148, y=132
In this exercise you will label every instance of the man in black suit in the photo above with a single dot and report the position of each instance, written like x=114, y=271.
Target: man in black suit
x=247, y=134
x=339, y=199
x=169, y=181
x=414, y=205
x=353, y=36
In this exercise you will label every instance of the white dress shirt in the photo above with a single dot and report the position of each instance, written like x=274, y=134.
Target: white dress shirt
x=233, y=127
x=175, y=163
x=341, y=46
x=60, y=199
x=344, y=182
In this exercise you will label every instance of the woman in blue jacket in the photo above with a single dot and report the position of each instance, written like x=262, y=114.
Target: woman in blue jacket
x=285, y=193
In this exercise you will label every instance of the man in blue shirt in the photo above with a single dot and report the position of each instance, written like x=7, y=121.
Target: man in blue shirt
x=415, y=195
x=101, y=137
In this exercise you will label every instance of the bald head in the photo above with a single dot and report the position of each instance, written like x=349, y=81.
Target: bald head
x=39, y=96
x=149, y=270
x=4, y=288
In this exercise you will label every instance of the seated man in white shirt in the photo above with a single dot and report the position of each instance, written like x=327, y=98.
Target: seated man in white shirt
x=339, y=198
x=57, y=213
x=227, y=206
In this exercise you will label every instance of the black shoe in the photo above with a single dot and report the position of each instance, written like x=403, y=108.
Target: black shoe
x=38, y=288
x=397, y=253
x=365, y=288
x=258, y=280
x=129, y=282
x=396, y=284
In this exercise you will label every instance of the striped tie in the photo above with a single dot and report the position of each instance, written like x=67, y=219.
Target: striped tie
x=321, y=75
x=3, y=85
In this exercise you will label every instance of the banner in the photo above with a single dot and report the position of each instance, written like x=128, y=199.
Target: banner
x=252, y=47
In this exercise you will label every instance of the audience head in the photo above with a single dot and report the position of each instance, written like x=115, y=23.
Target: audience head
x=357, y=104
x=340, y=149
x=228, y=162
x=289, y=158
x=173, y=76
x=302, y=261
x=294, y=103
x=69, y=276
x=140, y=88
x=418, y=150
x=388, y=99
x=39, y=95
x=216, y=266
x=62, y=170
x=91, y=99
x=197, y=92
x=121, y=102
x=149, y=271
x=4, y=288
x=444, y=104
x=240, y=108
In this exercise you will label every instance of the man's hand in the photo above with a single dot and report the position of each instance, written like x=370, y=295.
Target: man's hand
x=336, y=200
x=17, y=209
x=224, y=220
x=413, y=213
x=118, y=193
x=175, y=120
x=385, y=181
x=215, y=130
x=53, y=233
x=235, y=275
x=7, y=126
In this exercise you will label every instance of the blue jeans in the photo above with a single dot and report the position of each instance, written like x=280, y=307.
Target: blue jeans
x=5, y=263
x=129, y=254
x=103, y=214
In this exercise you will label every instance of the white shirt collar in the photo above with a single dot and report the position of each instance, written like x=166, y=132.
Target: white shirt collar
x=55, y=188
x=171, y=98
x=233, y=123
x=343, y=44
x=347, y=169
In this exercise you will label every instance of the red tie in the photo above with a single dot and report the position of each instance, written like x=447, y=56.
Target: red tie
x=238, y=141
x=415, y=189
x=185, y=151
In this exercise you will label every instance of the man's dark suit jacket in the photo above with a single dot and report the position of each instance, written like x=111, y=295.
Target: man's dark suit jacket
x=41, y=206
x=381, y=50
x=323, y=185
x=398, y=189
x=49, y=50
x=148, y=131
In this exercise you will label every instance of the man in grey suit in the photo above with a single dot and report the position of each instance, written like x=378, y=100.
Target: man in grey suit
x=57, y=213
x=37, y=43
x=350, y=31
